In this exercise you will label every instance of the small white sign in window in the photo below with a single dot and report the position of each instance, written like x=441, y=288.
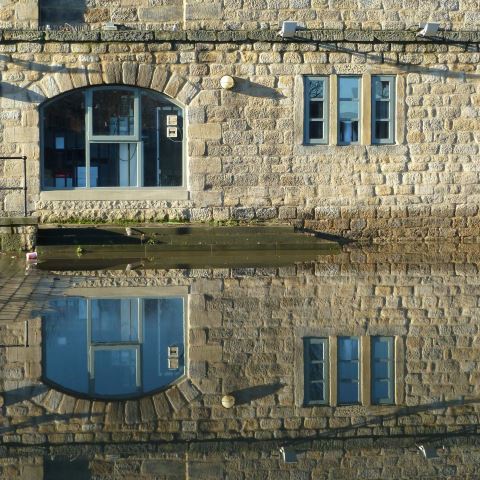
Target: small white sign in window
x=172, y=132
x=172, y=120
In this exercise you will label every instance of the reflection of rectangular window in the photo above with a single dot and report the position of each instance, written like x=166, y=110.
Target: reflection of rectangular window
x=348, y=367
x=54, y=12
x=348, y=110
x=115, y=320
x=316, y=110
x=382, y=368
x=316, y=370
x=383, y=109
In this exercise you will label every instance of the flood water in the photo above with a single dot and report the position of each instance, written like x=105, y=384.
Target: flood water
x=360, y=364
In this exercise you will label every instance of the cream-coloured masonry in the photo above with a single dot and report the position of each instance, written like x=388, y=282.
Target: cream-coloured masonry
x=231, y=14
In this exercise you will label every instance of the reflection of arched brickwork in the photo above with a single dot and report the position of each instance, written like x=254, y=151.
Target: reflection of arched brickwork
x=150, y=409
x=158, y=78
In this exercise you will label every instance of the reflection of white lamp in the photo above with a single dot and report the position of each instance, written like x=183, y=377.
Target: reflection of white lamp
x=428, y=452
x=289, y=455
x=227, y=82
x=228, y=401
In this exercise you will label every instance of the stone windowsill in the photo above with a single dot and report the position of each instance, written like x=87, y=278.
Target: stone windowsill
x=165, y=193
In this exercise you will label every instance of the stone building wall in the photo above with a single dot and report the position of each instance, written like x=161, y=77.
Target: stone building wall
x=249, y=14
x=245, y=337
x=245, y=154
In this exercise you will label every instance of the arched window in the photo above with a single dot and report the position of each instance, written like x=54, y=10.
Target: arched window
x=112, y=137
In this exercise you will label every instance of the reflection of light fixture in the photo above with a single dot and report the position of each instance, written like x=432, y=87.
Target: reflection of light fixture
x=288, y=29
x=289, y=455
x=227, y=82
x=109, y=26
x=429, y=29
x=428, y=452
x=228, y=401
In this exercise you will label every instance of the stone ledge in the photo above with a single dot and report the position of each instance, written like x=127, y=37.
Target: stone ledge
x=18, y=221
x=360, y=36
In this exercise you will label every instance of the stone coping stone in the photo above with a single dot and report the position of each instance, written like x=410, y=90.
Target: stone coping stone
x=17, y=221
x=267, y=35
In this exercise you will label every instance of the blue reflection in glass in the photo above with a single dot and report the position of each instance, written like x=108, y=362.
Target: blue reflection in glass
x=348, y=370
x=113, y=347
x=348, y=110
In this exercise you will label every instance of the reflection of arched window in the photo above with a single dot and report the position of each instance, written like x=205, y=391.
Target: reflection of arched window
x=112, y=137
x=107, y=347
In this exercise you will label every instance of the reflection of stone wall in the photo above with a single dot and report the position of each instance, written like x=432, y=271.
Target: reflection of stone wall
x=245, y=330
x=317, y=460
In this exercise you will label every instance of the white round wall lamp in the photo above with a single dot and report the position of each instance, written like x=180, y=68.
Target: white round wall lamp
x=227, y=82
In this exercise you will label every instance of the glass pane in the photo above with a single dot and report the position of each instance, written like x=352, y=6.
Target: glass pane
x=316, y=130
x=113, y=112
x=348, y=392
x=316, y=88
x=348, y=132
x=380, y=391
x=316, y=109
x=113, y=165
x=381, y=348
x=382, y=88
x=348, y=88
x=53, y=12
x=163, y=327
x=64, y=142
x=114, y=320
x=381, y=370
x=348, y=110
x=65, y=343
x=348, y=370
x=316, y=371
x=317, y=392
x=382, y=130
x=348, y=348
x=162, y=135
x=382, y=110
x=316, y=351
x=115, y=372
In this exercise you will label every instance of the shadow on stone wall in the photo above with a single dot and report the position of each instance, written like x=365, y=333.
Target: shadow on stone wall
x=250, y=394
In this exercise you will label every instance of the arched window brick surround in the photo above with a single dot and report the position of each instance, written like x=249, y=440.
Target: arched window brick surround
x=157, y=78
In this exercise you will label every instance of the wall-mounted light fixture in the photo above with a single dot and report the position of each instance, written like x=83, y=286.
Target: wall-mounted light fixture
x=428, y=29
x=227, y=82
x=288, y=29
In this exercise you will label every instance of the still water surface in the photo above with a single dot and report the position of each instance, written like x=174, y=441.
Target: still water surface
x=350, y=361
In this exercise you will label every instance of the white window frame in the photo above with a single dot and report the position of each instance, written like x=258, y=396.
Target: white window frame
x=326, y=367
x=359, y=100
x=136, y=138
x=307, y=114
x=390, y=399
x=391, y=107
